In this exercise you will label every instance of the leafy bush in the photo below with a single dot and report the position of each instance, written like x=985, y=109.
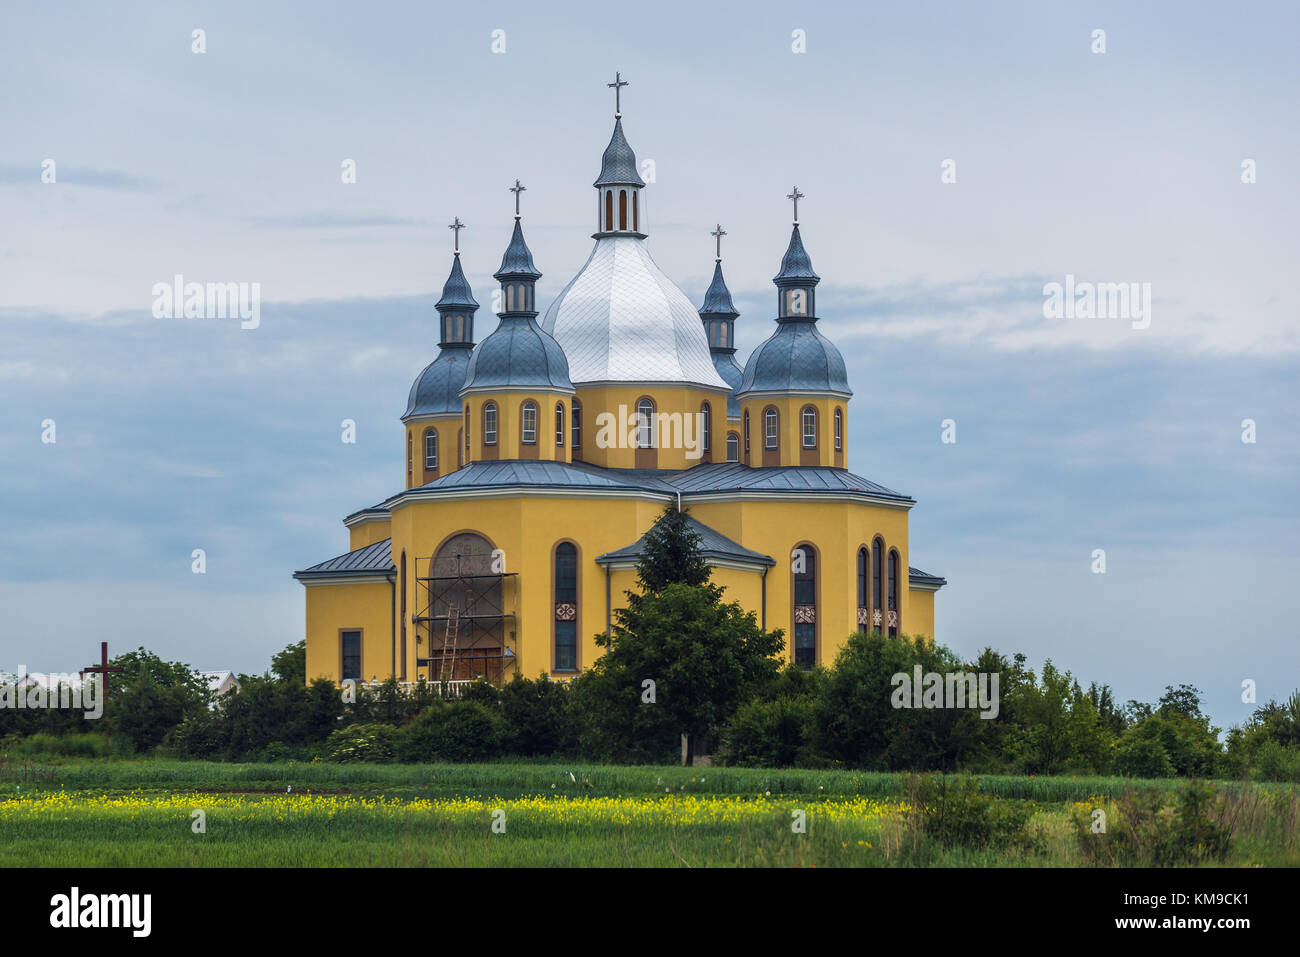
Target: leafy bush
x=1150, y=829
x=1142, y=758
x=71, y=745
x=362, y=742
x=953, y=811
x=1275, y=762
x=772, y=734
x=457, y=731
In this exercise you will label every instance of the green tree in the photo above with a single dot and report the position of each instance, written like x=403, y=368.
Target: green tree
x=150, y=697
x=291, y=663
x=679, y=660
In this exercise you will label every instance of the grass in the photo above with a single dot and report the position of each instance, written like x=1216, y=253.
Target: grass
x=141, y=813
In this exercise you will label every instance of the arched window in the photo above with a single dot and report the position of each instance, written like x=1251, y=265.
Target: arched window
x=636, y=223
x=809, y=427
x=431, y=450
x=839, y=430
x=577, y=424
x=746, y=431
x=893, y=592
x=559, y=425
x=403, y=659
x=733, y=447
x=528, y=423
x=566, y=607
x=609, y=210
x=864, y=575
x=645, y=417
x=622, y=209
x=706, y=426
x=460, y=328
x=510, y=297
x=460, y=449
x=410, y=458
x=489, y=423
x=464, y=555
x=877, y=581
x=467, y=432
x=769, y=428
x=805, y=606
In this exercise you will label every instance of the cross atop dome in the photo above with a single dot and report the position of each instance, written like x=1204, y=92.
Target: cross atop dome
x=456, y=226
x=795, y=195
x=718, y=233
x=617, y=85
x=517, y=189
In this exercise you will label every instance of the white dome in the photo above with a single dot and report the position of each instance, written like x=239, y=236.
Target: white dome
x=622, y=320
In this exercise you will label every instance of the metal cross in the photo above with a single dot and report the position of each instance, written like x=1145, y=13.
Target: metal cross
x=618, y=83
x=517, y=189
x=456, y=226
x=718, y=233
x=103, y=669
x=796, y=196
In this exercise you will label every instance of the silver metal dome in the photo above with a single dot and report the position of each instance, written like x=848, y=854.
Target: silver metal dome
x=622, y=320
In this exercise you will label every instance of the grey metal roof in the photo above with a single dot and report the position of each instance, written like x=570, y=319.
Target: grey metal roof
x=916, y=575
x=796, y=264
x=727, y=367
x=796, y=358
x=700, y=480
x=436, y=390
x=373, y=559
x=518, y=354
x=618, y=165
x=518, y=259
x=717, y=301
x=529, y=472
x=713, y=544
x=620, y=319
x=456, y=294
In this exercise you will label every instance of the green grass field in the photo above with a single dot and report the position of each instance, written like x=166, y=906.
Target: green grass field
x=142, y=813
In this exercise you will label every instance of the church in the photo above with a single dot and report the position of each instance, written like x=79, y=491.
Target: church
x=536, y=459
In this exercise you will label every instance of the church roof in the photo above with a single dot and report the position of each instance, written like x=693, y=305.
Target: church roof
x=919, y=577
x=713, y=544
x=436, y=390
x=518, y=354
x=717, y=301
x=370, y=560
x=724, y=363
x=796, y=358
x=618, y=164
x=620, y=319
x=796, y=264
x=705, y=479
x=455, y=291
x=518, y=258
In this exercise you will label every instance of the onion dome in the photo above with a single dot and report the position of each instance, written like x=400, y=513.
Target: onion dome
x=719, y=317
x=796, y=358
x=620, y=319
x=518, y=354
x=436, y=390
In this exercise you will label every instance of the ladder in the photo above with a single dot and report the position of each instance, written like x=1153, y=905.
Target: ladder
x=449, y=644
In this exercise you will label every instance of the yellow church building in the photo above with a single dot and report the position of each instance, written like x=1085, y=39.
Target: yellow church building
x=536, y=459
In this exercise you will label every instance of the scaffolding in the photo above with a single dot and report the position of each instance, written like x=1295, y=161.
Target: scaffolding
x=466, y=628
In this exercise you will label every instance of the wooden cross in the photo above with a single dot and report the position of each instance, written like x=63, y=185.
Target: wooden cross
x=718, y=233
x=457, y=226
x=517, y=189
x=103, y=669
x=618, y=84
x=796, y=196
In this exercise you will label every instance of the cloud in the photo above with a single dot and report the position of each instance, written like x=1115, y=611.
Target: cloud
x=111, y=179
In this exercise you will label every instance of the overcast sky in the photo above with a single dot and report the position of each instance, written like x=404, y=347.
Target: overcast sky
x=1072, y=434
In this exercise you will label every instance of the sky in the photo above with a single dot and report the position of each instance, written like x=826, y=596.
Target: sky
x=1123, y=166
